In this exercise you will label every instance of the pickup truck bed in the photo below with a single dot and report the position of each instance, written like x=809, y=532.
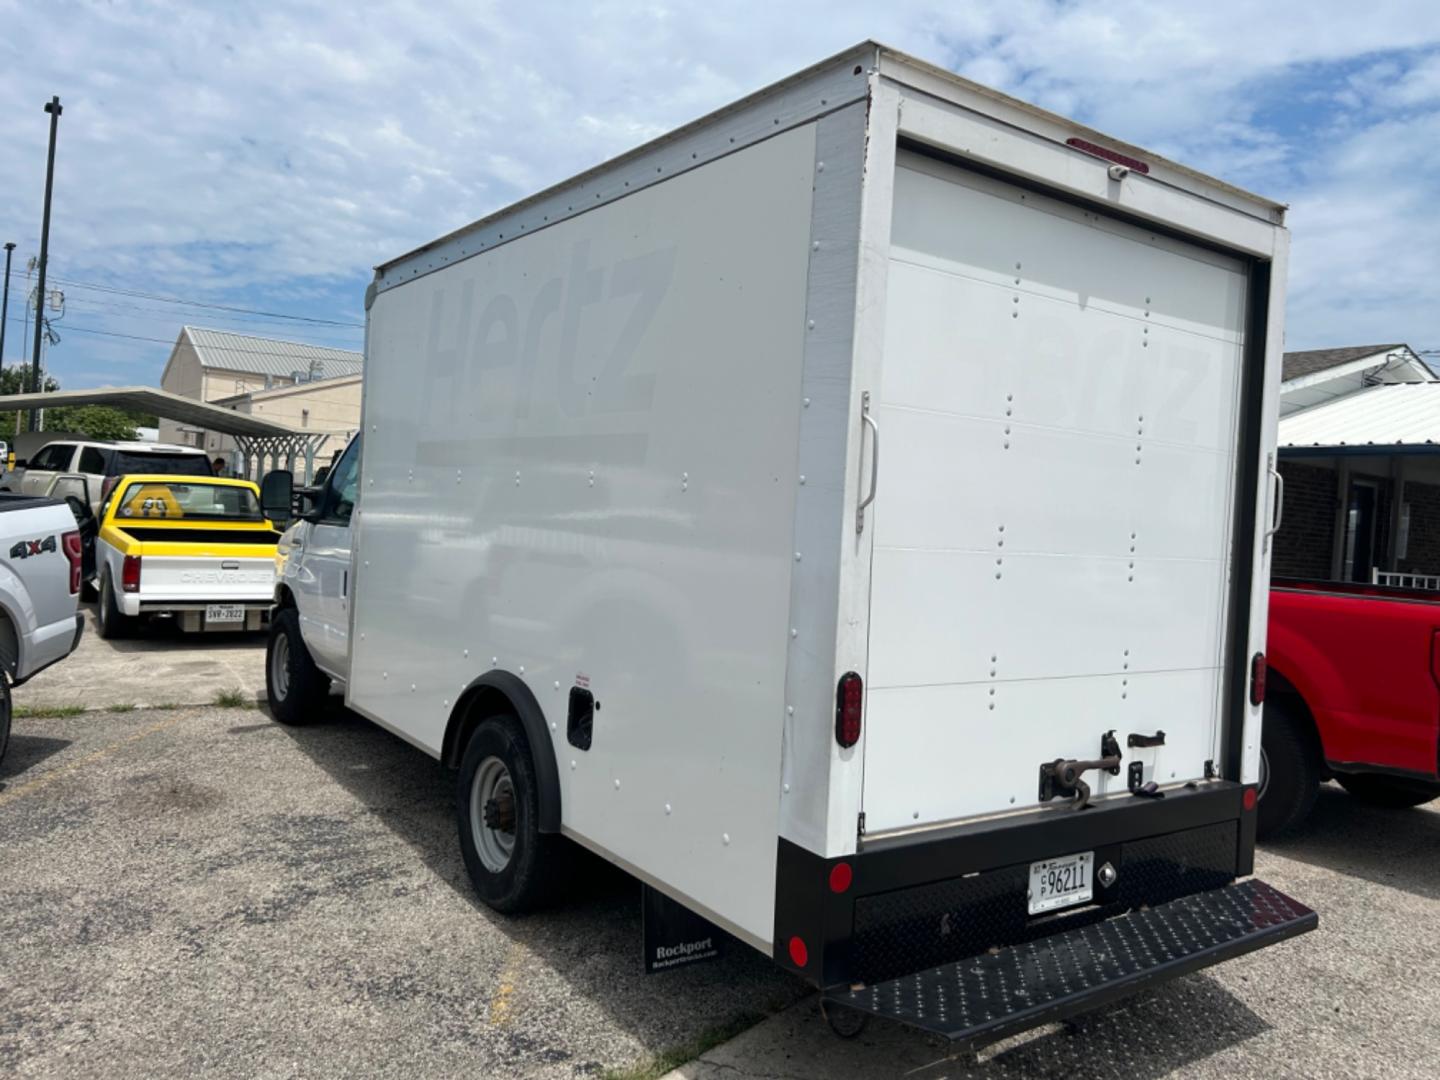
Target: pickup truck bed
x=1352, y=695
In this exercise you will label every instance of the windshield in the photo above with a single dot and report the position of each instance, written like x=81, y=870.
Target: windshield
x=196, y=501
x=171, y=464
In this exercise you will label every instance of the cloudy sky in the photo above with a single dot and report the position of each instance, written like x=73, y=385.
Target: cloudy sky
x=263, y=156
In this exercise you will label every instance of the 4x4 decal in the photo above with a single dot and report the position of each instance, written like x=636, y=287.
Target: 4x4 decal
x=25, y=548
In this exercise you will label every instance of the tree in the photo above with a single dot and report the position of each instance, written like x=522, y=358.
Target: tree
x=15, y=379
x=93, y=421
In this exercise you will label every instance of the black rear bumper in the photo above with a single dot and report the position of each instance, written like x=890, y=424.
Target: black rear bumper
x=995, y=993
x=915, y=901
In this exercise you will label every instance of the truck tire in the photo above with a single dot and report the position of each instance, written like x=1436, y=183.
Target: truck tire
x=4, y=715
x=110, y=621
x=294, y=686
x=514, y=867
x=1289, y=772
x=1396, y=792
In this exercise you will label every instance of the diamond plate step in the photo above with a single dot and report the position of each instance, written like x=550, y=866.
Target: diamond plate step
x=995, y=994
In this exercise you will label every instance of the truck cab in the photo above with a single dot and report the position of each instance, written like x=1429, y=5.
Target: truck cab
x=311, y=620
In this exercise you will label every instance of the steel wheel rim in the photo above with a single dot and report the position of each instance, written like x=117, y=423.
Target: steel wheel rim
x=280, y=667
x=493, y=845
x=105, y=594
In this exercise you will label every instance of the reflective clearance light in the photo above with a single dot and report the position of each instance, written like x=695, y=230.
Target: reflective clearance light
x=1257, y=679
x=799, y=954
x=840, y=877
x=70, y=543
x=130, y=574
x=1087, y=147
x=849, y=702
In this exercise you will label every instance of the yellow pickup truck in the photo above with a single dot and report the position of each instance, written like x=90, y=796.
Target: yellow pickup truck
x=194, y=548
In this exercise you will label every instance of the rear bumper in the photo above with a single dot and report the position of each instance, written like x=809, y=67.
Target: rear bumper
x=938, y=896
x=993, y=994
x=49, y=645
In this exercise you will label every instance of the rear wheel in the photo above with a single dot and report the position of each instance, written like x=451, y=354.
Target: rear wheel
x=1392, y=791
x=1289, y=771
x=512, y=864
x=110, y=621
x=294, y=686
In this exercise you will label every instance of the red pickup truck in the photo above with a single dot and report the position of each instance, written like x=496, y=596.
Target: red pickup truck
x=1352, y=694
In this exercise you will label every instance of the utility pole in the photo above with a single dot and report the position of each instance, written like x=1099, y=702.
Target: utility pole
x=53, y=108
x=5, y=303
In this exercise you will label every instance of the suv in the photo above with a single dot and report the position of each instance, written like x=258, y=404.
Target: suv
x=102, y=463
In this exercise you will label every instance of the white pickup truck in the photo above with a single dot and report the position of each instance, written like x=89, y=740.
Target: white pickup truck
x=40, y=569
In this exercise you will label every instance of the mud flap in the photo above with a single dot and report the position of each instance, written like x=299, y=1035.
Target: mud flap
x=1008, y=990
x=674, y=935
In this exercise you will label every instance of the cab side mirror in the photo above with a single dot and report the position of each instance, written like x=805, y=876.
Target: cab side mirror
x=277, y=496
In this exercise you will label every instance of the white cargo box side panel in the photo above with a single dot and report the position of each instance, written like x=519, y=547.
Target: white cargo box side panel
x=600, y=488
x=1059, y=408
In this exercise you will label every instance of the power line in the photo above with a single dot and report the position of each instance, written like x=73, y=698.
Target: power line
x=71, y=327
x=204, y=304
x=123, y=310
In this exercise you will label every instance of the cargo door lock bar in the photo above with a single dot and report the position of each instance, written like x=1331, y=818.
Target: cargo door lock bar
x=1063, y=777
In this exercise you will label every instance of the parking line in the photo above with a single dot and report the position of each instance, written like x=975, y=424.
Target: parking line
x=11, y=794
x=500, y=1007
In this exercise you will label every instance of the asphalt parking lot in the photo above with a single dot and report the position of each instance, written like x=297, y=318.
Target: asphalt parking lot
x=197, y=889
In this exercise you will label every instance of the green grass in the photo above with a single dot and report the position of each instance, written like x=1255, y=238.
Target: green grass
x=121, y=708
x=47, y=712
x=234, y=699
x=661, y=1063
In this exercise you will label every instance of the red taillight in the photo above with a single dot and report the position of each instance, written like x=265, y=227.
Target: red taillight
x=848, y=705
x=1250, y=798
x=799, y=954
x=70, y=542
x=1257, y=678
x=840, y=877
x=1085, y=146
x=1435, y=657
x=130, y=574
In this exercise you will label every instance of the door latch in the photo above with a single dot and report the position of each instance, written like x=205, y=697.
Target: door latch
x=1063, y=777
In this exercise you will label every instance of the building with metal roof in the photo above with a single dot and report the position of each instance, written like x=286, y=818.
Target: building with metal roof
x=219, y=365
x=1316, y=376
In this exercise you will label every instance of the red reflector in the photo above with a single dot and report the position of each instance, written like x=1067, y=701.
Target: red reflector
x=848, y=706
x=799, y=955
x=1249, y=799
x=71, y=543
x=840, y=877
x=130, y=574
x=1109, y=155
x=1257, y=678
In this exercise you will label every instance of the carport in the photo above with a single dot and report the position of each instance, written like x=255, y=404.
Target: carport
x=263, y=444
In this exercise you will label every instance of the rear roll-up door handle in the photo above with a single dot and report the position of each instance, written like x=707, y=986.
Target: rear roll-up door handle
x=1277, y=515
x=867, y=419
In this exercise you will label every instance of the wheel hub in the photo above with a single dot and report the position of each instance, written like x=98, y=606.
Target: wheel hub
x=499, y=812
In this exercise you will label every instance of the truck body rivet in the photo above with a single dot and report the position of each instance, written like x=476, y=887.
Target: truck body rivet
x=617, y=785
x=802, y=478
x=667, y=808
x=789, y=710
x=725, y=838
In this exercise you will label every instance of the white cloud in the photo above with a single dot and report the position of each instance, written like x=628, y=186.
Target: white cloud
x=263, y=154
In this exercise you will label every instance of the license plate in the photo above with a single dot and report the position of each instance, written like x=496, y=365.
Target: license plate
x=1058, y=883
x=217, y=613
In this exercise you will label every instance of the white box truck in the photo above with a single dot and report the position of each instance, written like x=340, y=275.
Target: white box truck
x=849, y=514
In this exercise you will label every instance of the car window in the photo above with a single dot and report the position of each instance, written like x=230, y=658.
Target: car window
x=342, y=485
x=55, y=457
x=92, y=461
x=158, y=463
x=189, y=499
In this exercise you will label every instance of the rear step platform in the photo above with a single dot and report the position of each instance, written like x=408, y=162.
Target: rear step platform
x=997, y=993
